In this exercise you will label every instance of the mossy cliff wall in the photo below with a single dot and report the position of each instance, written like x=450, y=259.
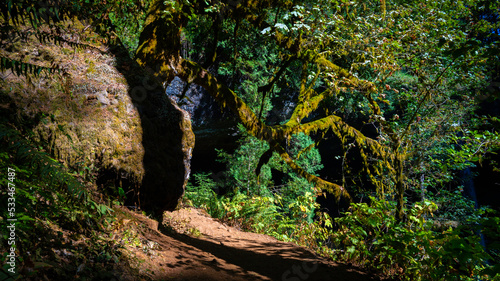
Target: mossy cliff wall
x=92, y=120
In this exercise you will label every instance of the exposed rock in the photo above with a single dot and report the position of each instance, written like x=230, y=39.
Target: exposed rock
x=214, y=128
x=202, y=108
x=102, y=97
x=169, y=143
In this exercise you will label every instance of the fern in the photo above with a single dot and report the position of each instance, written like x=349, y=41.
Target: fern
x=35, y=12
x=50, y=15
x=23, y=68
x=48, y=168
x=48, y=203
x=46, y=185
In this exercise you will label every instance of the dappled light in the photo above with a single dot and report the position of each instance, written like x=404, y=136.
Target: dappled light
x=249, y=140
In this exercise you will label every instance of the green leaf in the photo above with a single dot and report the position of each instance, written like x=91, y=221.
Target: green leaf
x=121, y=192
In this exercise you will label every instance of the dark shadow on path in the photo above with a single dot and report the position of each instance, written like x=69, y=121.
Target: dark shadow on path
x=276, y=261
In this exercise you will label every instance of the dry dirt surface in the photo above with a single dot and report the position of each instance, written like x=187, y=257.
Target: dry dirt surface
x=192, y=246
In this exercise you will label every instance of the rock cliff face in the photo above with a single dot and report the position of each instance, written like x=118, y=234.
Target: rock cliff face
x=102, y=117
x=215, y=128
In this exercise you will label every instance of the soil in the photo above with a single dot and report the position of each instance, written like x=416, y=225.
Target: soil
x=191, y=246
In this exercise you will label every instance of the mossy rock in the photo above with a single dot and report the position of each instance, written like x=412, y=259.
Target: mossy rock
x=89, y=119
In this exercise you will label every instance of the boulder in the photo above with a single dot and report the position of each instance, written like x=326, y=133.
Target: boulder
x=98, y=118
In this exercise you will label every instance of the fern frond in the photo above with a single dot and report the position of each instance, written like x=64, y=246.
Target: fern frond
x=25, y=68
x=48, y=168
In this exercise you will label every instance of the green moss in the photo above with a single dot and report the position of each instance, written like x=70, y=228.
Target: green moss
x=66, y=51
x=91, y=69
x=75, y=129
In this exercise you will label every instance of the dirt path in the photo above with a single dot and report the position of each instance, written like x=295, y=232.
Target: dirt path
x=214, y=251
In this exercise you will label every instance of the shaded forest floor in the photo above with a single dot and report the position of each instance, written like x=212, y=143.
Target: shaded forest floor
x=190, y=245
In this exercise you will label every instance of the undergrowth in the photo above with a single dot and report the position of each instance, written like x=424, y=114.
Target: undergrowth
x=60, y=225
x=262, y=214
x=368, y=235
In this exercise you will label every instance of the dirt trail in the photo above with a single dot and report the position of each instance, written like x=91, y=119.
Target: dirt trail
x=214, y=251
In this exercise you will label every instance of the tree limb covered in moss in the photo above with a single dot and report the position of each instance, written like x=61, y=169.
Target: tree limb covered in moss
x=160, y=50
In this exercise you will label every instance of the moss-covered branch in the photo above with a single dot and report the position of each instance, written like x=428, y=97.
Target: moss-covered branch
x=160, y=50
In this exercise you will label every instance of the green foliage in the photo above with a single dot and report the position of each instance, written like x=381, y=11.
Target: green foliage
x=262, y=214
x=117, y=18
x=202, y=195
x=460, y=210
x=370, y=235
x=252, y=201
x=45, y=194
x=242, y=175
x=407, y=67
x=36, y=13
x=128, y=17
x=242, y=166
x=250, y=213
x=20, y=68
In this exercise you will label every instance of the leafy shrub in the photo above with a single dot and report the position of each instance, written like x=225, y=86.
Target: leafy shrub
x=243, y=177
x=461, y=209
x=370, y=235
x=262, y=214
x=250, y=213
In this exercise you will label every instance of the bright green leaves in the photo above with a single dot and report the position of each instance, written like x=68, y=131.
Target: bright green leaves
x=128, y=18
x=289, y=200
x=370, y=235
x=407, y=68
